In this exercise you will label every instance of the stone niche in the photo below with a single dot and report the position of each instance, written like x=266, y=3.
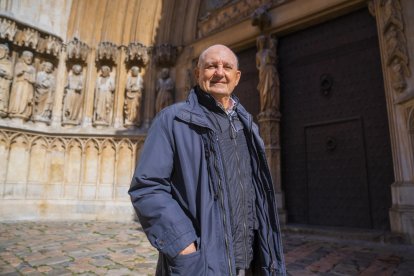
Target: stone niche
x=60, y=156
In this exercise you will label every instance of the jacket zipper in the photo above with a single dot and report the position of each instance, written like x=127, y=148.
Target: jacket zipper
x=226, y=240
x=234, y=130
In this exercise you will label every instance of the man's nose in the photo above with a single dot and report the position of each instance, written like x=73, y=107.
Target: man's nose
x=219, y=71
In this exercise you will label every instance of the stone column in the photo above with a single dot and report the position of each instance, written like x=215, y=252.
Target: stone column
x=393, y=18
x=60, y=87
x=269, y=117
x=89, y=90
x=121, y=74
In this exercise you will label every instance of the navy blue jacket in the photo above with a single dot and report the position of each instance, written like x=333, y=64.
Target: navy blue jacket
x=178, y=194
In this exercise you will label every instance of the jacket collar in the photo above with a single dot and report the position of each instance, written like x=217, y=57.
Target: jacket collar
x=194, y=114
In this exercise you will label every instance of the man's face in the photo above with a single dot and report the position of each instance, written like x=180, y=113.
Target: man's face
x=217, y=73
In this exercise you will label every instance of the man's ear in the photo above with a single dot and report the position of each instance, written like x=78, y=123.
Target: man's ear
x=196, y=72
x=238, y=75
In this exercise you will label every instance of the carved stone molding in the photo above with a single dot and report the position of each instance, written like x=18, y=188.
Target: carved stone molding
x=396, y=44
x=230, y=14
x=50, y=45
x=165, y=55
x=72, y=165
x=269, y=128
x=8, y=29
x=138, y=53
x=77, y=49
x=27, y=37
x=107, y=51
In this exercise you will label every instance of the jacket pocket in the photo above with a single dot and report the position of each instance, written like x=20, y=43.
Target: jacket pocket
x=191, y=264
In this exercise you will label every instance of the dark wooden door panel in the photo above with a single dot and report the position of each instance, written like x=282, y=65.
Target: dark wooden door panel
x=332, y=72
x=336, y=174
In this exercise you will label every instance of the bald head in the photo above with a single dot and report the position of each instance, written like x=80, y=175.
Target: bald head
x=217, y=72
x=216, y=49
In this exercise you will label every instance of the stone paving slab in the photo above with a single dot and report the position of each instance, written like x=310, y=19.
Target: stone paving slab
x=115, y=248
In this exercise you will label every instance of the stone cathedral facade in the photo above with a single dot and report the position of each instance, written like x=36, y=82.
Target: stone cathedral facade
x=330, y=84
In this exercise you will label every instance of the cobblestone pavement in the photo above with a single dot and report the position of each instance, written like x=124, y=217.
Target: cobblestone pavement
x=113, y=248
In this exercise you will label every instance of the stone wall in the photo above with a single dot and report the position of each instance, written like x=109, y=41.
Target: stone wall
x=70, y=124
x=46, y=176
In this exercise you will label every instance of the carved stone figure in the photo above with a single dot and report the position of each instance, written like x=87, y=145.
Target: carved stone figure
x=21, y=98
x=104, y=98
x=165, y=89
x=44, y=92
x=133, y=96
x=72, y=100
x=6, y=75
x=268, y=76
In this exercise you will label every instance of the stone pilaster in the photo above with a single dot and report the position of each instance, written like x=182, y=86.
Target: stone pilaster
x=269, y=123
x=89, y=90
x=121, y=74
x=392, y=23
x=60, y=87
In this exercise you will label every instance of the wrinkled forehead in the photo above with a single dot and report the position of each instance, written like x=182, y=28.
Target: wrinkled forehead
x=218, y=54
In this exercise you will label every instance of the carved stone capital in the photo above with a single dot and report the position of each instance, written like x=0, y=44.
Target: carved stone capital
x=50, y=45
x=107, y=51
x=397, y=58
x=138, y=53
x=27, y=37
x=261, y=17
x=77, y=49
x=8, y=29
x=165, y=55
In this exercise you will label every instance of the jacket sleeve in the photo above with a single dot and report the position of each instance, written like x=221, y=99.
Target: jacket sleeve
x=166, y=225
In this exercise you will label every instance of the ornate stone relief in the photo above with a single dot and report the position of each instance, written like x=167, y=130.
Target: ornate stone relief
x=396, y=45
x=165, y=90
x=107, y=51
x=77, y=49
x=69, y=163
x=8, y=29
x=27, y=37
x=21, y=97
x=44, y=93
x=230, y=14
x=165, y=55
x=6, y=76
x=261, y=17
x=73, y=95
x=104, y=98
x=138, y=53
x=269, y=86
x=50, y=45
x=133, y=97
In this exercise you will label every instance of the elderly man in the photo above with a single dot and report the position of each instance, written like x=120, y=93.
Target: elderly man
x=202, y=189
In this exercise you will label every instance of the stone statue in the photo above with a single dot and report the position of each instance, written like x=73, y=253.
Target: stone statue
x=104, y=98
x=268, y=76
x=44, y=93
x=133, y=96
x=72, y=100
x=6, y=75
x=21, y=98
x=165, y=89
